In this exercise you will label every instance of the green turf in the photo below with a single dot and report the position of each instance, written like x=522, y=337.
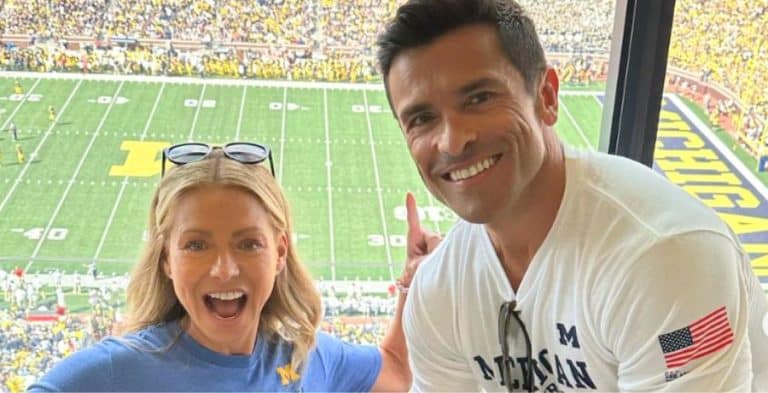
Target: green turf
x=344, y=194
x=343, y=200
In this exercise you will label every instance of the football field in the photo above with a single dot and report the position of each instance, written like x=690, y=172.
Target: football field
x=83, y=192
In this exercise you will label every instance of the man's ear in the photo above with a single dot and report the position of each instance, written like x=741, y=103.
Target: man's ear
x=282, y=252
x=547, y=94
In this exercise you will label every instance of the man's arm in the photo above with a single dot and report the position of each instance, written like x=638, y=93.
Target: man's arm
x=395, y=375
x=395, y=372
x=677, y=319
x=436, y=363
x=432, y=366
x=758, y=330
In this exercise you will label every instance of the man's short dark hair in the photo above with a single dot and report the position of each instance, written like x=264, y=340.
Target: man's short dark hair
x=419, y=22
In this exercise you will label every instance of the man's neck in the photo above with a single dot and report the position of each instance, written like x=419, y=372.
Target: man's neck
x=518, y=236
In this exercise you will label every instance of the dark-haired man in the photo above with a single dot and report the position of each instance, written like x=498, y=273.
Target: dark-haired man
x=565, y=271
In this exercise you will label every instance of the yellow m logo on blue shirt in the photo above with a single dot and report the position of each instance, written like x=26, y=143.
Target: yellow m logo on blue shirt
x=287, y=374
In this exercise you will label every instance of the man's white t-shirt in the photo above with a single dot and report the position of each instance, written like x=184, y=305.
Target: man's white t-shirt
x=638, y=286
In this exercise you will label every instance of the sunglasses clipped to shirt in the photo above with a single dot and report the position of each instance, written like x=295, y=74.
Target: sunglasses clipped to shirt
x=242, y=152
x=507, y=312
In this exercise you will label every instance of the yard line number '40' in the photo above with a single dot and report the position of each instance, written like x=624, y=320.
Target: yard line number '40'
x=53, y=233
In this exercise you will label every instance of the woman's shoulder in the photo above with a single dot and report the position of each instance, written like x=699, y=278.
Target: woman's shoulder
x=90, y=368
x=150, y=338
x=93, y=368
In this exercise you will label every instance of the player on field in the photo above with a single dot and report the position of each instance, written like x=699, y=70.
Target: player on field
x=5, y=284
x=14, y=131
x=17, y=88
x=93, y=271
x=19, y=154
x=51, y=113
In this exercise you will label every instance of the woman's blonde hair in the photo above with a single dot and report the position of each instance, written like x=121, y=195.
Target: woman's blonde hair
x=293, y=310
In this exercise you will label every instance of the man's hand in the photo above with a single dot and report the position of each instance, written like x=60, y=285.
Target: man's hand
x=419, y=243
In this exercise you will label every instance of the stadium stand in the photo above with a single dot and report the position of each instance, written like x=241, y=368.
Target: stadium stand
x=301, y=40
x=735, y=58
x=330, y=40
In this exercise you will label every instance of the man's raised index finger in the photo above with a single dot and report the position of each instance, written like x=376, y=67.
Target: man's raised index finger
x=414, y=225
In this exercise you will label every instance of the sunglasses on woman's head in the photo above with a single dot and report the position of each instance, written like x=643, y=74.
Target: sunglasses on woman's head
x=242, y=152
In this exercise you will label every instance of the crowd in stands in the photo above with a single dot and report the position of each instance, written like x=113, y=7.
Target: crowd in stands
x=261, y=63
x=726, y=42
x=271, y=39
x=368, y=331
x=273, y=22
x=573, y=26
x=31, y=348
x=355, y=302
x=723, y=41
x=565, y=26
x=37, y=329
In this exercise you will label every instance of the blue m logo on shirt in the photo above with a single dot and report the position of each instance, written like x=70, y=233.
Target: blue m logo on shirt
x=568, y=336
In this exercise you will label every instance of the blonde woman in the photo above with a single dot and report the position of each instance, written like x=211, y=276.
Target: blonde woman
x=219, y=300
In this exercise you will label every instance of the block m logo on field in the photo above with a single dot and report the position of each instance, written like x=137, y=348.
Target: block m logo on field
x=143, y=159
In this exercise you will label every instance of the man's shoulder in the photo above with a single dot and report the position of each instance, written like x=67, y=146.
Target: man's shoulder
x=630, y=193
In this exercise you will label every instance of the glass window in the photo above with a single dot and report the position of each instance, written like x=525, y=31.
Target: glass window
x=712, y=139
x=577, y=39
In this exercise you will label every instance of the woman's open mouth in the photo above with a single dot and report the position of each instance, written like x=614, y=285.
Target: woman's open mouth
x=225, y=305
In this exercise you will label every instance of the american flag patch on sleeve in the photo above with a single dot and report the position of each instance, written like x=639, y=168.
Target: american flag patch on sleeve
x=701, y=338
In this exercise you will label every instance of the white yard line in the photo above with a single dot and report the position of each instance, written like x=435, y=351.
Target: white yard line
x=176, y=80
x=37, y=149
x=575, y=124
x=107, y=227
x=197, y=114
x=240, y=115
x=282, y=138
x=378, y=187
x=72, y=179
x=18, y=106
x=328, y=164
x=591, y=93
